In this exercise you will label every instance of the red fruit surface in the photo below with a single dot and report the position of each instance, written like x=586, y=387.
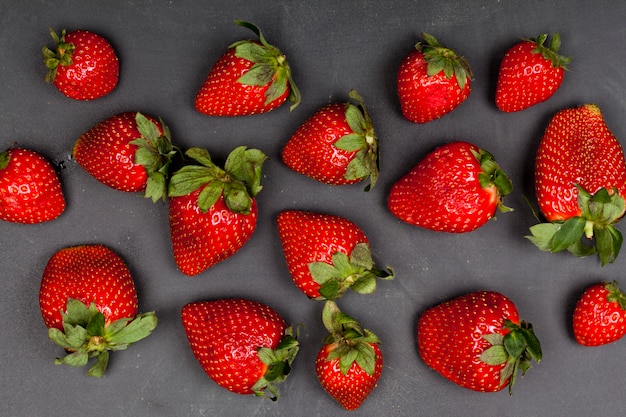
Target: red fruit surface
x=599, y=317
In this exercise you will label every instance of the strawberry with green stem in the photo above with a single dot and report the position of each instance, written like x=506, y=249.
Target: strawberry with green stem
x=599, y=317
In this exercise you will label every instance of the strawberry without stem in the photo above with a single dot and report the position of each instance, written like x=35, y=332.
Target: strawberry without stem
x=30, y=191
x=600, y=315
x=251, y=77
x=477, y=341
x=88, y=301
x=244, y=346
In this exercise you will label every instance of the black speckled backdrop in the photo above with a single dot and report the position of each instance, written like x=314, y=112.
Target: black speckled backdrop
x=166, y=49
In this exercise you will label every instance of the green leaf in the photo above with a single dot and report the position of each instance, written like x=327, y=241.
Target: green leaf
x=494, y=338
x=346, y=360
x=236, y=198
x=342, y=263
x=355, y=119
x=77, y=313
x=76, y=359
x=102, y=361
x=366, y=357
x=258, y=75
x=361, y=257
x=495, y=355
x=608, y=243
x=515, y=343
x=253, y=52
x=156, y=187
x=542, y=235
x=351, y=142
x=188, y=179
x=359, y=167
x=95, y=327
x=330, y=290
x=323, y=272
x=569, y=232
x=137, y=329
x=147, y=129
x=365, y=284
x=209, y=195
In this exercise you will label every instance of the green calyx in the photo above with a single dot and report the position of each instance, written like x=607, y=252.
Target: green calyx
x=350, y=342
x=363, y=141
x=493, y=175
x=279, y=363
x=615, y=295
x=550, y=52
x=239, y=181
x=5, y=158
x=86, y=335
x=155, y=153
x=599, y=213
x=61, y=56
x=516, y=350
x=356, y=272
x=444, y=59
x=270, y=67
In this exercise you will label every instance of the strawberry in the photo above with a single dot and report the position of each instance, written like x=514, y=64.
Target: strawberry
x=456, y=188
x=580, y=183
x=88, y=301
x=242, y=345
x=213, y=211
x=432, y=81
x=128, y=152
x=477, y=341
x=600, y=315
x=530, y=73
x=251, y=77
x=83, y=65
x=349, y=363
x=30, y=191
x=327, y=255
x=336, y=145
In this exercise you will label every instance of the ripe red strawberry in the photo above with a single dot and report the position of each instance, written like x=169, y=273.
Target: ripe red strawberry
x=336, y=145
x=30, y=191
x=83, y=65
x=128, y=152
x=600, y=315
x=350, y=362
x=432, y=81
x=530, y=73
x=88, y=301
x=251, y=77
x=456, y=188
x=580, y=183
x=244, y=346
x=212, y=210
x=327, y=255
x=477, y=341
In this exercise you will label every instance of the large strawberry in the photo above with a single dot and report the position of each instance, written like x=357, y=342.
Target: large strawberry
x=350, y=362
x=327, y=255
x=128, y=152
x=244, y=346
x=88, y=301
x=30, y=191
x=580, y=183
x=477, y=341
x=432, y=81
x=251, y=77
x=456, y=188
x=530, y=73
x=600, y=315
x=336, y=145
x=213, y=211
x=83, y=65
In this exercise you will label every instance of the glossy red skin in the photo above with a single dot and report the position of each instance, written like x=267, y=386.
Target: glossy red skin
x=200, y=240
x=577, y=148
x=105, y=153
x=596, y=320
x=449, y=338
x=426, y=98
x=88, y=273
x=225, y=335
x=94, y=71
x=30, y=190
x=222, y=95
x=308, y=237
x=525, y=78
x=352, y=389
x=311, y=151
x=443, y=193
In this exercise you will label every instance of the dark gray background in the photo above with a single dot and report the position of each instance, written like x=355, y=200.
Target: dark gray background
x=166, y=49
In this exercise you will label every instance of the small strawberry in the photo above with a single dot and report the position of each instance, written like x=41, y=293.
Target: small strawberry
x=530, y=73
x=350, y=362
x=83, y=65
x=327, y=255
x=242, y=345
x=477, y=341
x=212, y=210
x=580, y=183
x=128, y=152
x=30, y=191
x=600, y=315
x=456, y=188
x=432, y=81
x=251, y=77
x=336, y=145
x=88, y=301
